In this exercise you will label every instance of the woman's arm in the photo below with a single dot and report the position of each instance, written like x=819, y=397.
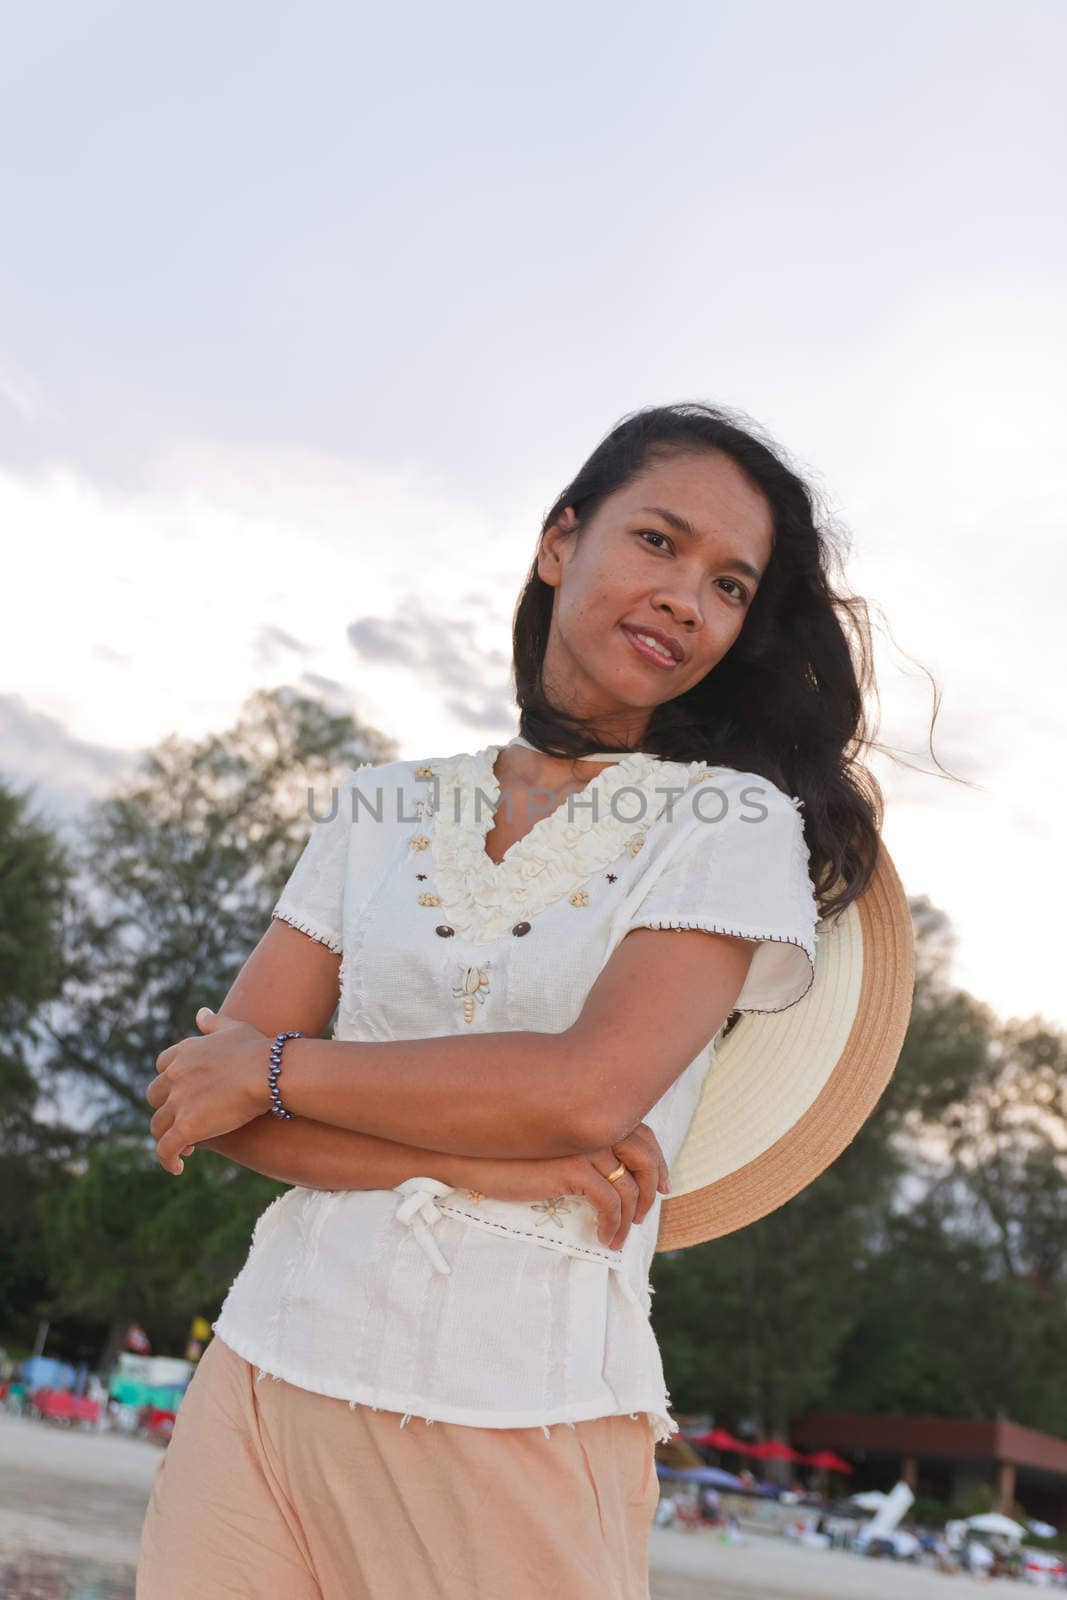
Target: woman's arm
x=660, y=998
x=317, y=1156
x=292, y=981
x=516, y=1092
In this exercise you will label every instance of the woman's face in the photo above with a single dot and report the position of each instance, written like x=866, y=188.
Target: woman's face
x=632, y=569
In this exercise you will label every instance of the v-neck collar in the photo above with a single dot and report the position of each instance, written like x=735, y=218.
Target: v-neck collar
x=482, y=898
x=589, y=798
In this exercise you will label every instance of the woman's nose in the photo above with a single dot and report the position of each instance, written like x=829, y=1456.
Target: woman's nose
x=682, y=609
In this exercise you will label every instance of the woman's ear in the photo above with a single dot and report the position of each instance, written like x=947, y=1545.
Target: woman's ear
x=554, y=540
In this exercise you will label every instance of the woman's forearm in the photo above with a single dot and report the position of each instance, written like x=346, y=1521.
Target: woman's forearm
x=314, y=1155
x=519, y=1095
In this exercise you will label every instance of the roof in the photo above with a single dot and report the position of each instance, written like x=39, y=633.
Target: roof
x=957, y=1438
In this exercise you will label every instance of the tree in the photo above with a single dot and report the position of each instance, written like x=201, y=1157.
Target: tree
x=177, y=876
x=751, y=1325
x=34, y=881
x=775, y=1319
x=127, y=1242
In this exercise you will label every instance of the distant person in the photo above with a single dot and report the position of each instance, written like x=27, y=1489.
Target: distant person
x=710, y=1499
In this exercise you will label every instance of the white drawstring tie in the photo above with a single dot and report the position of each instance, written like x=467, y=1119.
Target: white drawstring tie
x=418, y=1211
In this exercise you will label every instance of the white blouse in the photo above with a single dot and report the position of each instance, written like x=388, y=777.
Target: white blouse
x=426, y=1300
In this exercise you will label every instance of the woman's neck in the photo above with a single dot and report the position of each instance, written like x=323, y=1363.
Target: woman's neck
x=522, y=765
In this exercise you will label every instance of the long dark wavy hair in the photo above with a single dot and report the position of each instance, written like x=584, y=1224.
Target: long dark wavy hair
x=788, y=700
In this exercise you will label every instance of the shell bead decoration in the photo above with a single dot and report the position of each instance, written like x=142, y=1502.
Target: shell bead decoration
x=470, y=988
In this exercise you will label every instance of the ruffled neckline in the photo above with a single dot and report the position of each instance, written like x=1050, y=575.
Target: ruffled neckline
x=483, y=898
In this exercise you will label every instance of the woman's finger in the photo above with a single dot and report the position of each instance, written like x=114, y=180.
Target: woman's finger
x=165, y=1057
x=663, y=1181
x=169, y=1149
x=163, y=1119
x=639, y=1152
x=629, y=1195
x=606, y=1201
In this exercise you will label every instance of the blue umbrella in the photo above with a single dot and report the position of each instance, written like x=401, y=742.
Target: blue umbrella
x=711, y=1475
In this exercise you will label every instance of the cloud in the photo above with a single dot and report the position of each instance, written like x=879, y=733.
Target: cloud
x=61, y=773
x=376, y=641
x=23, y=394
x=443, y=652
x=272, y=644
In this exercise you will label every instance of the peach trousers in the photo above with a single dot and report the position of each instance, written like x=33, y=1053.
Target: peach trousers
x=267, y=1491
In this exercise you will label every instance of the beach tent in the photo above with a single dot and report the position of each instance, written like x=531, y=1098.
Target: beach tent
x=994, y=1522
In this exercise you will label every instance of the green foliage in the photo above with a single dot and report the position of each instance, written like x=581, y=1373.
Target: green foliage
x=753, y=1324
x=126, y=1241
x=34, y=876
x=178, y=875
x=928, y=1513
x=978, y=1501
x=106, y=957
x=925, y=1271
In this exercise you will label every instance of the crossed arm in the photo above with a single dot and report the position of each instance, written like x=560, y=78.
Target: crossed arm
x=388, y=1108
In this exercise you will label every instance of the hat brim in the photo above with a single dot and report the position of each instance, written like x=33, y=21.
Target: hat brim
x=787, y=1091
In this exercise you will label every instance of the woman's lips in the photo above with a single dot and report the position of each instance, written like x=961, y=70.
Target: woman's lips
x=655, y=656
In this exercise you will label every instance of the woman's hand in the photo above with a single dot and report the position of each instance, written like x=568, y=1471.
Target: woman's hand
x=208, y=1087
x=617, y=1205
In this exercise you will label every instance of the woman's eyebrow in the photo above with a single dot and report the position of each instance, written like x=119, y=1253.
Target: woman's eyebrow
x=682, y=525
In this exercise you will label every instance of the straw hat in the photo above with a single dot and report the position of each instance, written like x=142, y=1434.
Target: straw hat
x=787, y=1091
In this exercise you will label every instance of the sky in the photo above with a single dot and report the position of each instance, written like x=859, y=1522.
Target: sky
x=308, y=314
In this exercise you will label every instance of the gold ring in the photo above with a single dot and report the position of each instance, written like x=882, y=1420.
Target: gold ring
x=619, y=1170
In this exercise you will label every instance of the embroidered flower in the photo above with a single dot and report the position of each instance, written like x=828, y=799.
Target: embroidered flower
x=553, y=1208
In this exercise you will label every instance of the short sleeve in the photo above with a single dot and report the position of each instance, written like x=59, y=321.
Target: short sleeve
x=313, y=898
x=740, y=865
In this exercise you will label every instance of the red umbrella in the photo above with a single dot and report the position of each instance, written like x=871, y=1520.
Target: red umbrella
x=826, y=1460
x=718, y=1439
x=774, y=1450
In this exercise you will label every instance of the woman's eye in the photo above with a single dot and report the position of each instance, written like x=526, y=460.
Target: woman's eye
x=739, y=593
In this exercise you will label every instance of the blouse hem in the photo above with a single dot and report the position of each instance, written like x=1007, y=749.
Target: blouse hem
x=330, y=940
x=662, y=1426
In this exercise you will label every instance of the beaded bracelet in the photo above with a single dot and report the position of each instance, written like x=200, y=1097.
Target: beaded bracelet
x=277, y=1109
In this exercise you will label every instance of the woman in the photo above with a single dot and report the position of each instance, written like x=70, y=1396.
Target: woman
x=450, y=1307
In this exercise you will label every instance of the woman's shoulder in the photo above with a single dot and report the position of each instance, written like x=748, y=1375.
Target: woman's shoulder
x=413, y=772
x=707, y=793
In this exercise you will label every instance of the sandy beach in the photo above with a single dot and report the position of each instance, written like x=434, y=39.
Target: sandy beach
x=696, y=1566
x=72, y=1503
